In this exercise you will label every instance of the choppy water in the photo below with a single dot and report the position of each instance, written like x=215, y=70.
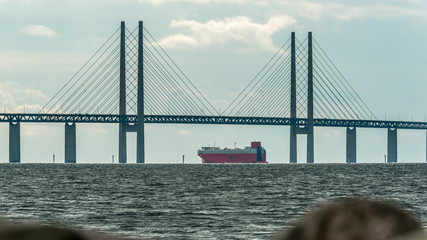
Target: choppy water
x=196, y=201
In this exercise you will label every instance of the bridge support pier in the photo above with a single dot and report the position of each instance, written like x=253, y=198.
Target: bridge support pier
x=391, y=145
x=70, y=143
x=310, y=142
x=122, y=143
x=351, y=145
x=140, y=152
x=14, y=142
x=293, y=144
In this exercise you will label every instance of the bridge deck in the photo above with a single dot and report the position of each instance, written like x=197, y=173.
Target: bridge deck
x=226, y=120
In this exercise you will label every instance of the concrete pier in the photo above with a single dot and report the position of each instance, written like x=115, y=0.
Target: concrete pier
x=293, y=144
x=392, y=145
x=351, y=145
x=70, y=143
x=14, y=142
x=122, y=143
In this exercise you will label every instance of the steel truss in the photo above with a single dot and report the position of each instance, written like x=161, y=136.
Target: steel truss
x=226, y=120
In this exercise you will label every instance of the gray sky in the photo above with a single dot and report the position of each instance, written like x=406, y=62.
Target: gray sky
x=220, y=45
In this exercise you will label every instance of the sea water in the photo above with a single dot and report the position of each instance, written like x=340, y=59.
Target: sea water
x=195, y=201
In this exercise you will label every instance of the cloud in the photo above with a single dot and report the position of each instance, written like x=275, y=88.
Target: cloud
x=159, y=2
x=94, y=129
x=184, y=132
x=411, y=134
x=328, y=132
x=39, y=31
x=239, y=30
x=18, y=99
x=33, y=130
x=47, y=71
x=41, y=61
x=241, y=2
x=311, y=9
x=316, y=10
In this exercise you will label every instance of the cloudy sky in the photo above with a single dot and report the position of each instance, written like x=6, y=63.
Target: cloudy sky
x=379, y=46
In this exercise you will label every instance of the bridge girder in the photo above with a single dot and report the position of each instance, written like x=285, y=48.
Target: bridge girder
x=225, y=120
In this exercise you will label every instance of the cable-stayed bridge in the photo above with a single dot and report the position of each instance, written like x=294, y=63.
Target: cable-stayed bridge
x=130, y=80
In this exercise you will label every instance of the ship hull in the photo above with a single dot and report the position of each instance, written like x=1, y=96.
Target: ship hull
x=253, y=154
x=231, y=158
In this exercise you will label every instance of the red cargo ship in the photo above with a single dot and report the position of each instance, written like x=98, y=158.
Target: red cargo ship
x=253, y=154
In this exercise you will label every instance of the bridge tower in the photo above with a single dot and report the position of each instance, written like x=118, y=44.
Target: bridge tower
x=139, y=126
x=295, y=129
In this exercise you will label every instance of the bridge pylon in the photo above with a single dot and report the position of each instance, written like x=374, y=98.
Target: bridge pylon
x=138, y=127
x=307, y=129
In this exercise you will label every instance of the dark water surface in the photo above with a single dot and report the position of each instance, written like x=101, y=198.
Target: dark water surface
x=196, y=201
